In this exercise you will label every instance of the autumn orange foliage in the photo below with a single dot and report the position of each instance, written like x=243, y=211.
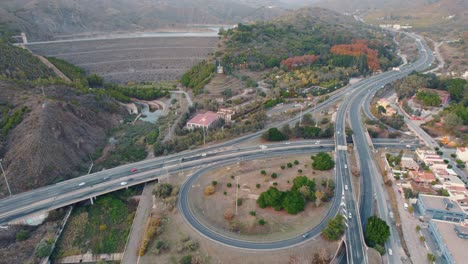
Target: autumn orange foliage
x=357, y=48
x=299, y=61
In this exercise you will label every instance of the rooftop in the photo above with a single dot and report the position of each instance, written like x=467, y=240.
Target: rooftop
x=204, y=119
x=440, y=203
x=449, y=233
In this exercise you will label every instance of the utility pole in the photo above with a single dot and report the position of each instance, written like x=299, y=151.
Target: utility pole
x=4, y=176
x=237, y=191
x=300, y=117
x=315, y=113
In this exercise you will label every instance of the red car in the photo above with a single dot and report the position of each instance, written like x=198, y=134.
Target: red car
x=134, y=170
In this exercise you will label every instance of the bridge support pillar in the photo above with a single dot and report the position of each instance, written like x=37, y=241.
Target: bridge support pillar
x=91, y=199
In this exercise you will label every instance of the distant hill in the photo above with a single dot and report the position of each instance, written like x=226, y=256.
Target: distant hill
x=45, y=19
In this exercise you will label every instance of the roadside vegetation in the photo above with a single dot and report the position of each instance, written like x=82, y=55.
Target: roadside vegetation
x=376, y=233
x=99, y=228
x=335, y=228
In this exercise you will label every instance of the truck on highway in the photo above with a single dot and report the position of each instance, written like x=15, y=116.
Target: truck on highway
x=396, y=69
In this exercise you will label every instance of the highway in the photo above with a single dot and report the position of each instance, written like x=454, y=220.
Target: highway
x=372, y=182
x=92, y=185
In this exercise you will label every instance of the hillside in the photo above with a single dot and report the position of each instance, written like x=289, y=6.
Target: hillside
x=18, y=63
x=308, y=31
x=47, y=132
x=44, y=19
x=57, y=133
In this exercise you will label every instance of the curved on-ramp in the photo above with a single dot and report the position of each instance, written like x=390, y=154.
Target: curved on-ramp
x=191, y=219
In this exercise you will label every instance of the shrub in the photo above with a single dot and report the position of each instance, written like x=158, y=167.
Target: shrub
x=261, y=222
x=239, y=201
x=163, y=190
x=275, y=184
x=229, y=185
x=209, y=190
x=232, y=176
x=228, y=214
x=257, y=185
x=380, y=249
x=214, y=183
x=289, y=165
x=22, y=235
x=263, y=172
x=43, y=249
x=186, y=259
x=299, y=171
x=283, y=167
x=274, y=175
x=225, y=193
x=296, y=162
x=253, y=213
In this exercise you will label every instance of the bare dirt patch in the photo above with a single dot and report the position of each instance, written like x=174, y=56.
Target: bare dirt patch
x=218, y=211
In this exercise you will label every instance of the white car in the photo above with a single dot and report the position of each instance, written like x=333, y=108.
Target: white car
x=263, y=146
x=346, y=187
x=81, y=184
x=390, y=252
x=123, y=183
x=305, y=235
x=203, y=154
x=349, y=216
x=345, y=166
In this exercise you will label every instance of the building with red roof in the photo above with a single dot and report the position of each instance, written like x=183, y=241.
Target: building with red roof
x=204, y=120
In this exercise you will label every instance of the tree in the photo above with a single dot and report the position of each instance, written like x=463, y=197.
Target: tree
x=261, y=222
x=273, y=134
x=322, y=161
x=335, y=228
x=286, y=130
x=163, y=190
x=293, y=202
x=318, y=195
x=381, y=109
x=456, y=88
x=263, y=172
x=377, y=231
x=451, y=121
x=300, y=181
x=272, y=197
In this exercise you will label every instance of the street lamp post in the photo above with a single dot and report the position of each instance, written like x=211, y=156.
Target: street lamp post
x=4, y=176
x=204, y=141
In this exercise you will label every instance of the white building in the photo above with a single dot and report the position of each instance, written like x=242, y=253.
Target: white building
x=462, y=154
